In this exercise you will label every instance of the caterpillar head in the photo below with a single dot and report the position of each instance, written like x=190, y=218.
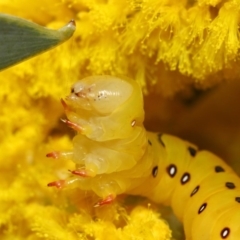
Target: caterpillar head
x=100, y=94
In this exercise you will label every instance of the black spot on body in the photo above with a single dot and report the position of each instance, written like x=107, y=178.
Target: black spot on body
x=149, y=142
x=195, y=190
x=225, y=233
x=185, y=178
x=160, y=139
x=192, y=151
x=230, y=185
x=202, y=208
x=237, y=199
x=172, y=170
x=219, y=169
x=155, y=171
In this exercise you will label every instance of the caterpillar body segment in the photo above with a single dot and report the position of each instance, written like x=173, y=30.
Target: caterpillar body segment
x=114, y=154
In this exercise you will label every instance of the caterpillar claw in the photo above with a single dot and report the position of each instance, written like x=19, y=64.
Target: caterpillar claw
x=64, y=104
x=109, y=199
x=54, y=155
x=73, y=125
x=58, y=184
x=60, y=155
x=83, y=173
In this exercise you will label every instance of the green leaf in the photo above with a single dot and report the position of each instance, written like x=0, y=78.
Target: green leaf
x=21, y=39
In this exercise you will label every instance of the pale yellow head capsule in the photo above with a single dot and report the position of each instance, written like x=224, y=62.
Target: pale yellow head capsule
x=100, y=94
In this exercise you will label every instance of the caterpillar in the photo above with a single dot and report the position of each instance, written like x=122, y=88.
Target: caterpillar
x=114, y=154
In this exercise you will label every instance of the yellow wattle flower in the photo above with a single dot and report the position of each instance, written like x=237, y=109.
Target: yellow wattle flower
x=168, y=46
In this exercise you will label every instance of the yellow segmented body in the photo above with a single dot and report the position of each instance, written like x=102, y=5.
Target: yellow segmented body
x=114, y=154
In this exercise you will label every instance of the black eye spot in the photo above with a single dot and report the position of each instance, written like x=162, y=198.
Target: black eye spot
x=160, y=139
x=225, y=233
x=219, y=169
x=192, y=151
x=72, y=90
x=155, y=171
x=237, y=199
x=195, y=190
x=100, y=95
x=171, y=170
x=149, y=142
x=230, y=185
x=202, y=208
x=185, y=178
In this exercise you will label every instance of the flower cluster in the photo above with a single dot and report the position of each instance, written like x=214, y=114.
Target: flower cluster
x=168, y=46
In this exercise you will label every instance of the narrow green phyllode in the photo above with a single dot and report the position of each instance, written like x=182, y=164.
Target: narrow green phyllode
x=21, y=39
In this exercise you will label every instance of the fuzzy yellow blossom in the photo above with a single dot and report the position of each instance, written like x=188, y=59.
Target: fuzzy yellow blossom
x=169, y=46
x=145, y=224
